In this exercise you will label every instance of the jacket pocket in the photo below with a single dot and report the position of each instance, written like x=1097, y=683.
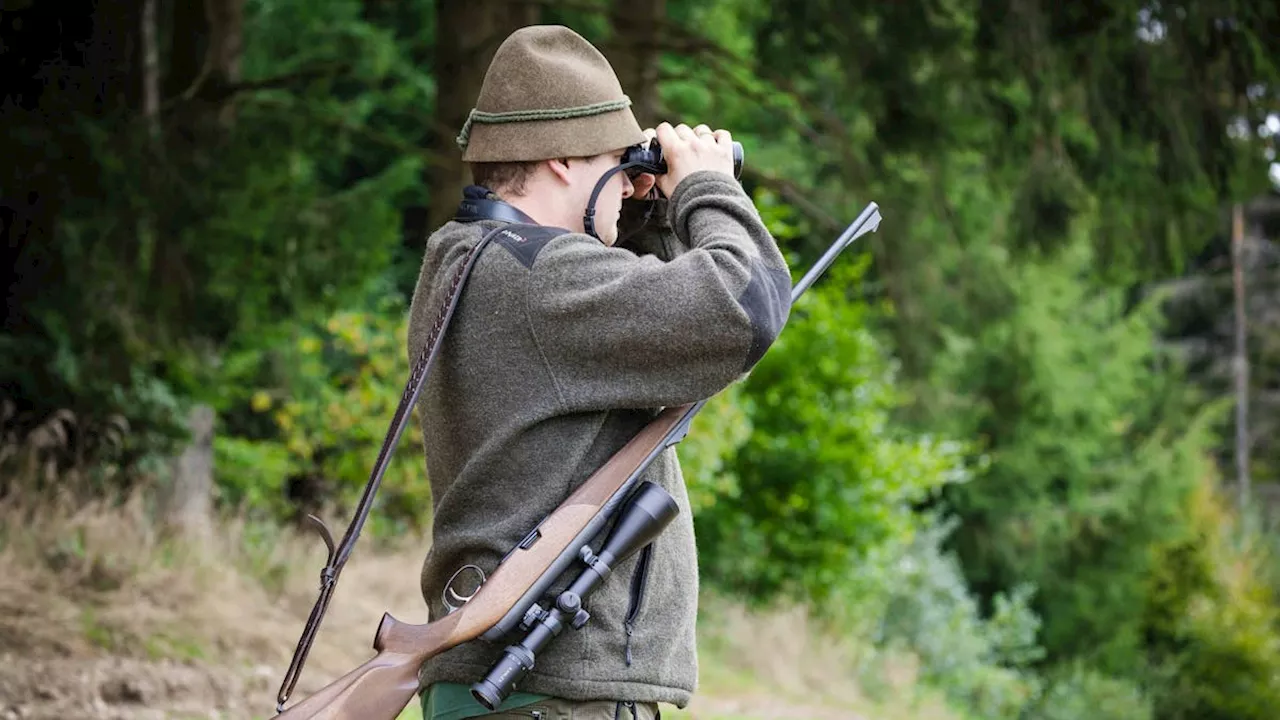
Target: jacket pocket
x=638, y=582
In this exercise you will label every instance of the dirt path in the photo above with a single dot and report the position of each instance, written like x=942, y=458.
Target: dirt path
x=113, y=688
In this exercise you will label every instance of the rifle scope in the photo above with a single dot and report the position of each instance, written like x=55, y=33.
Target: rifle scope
x=649, y=510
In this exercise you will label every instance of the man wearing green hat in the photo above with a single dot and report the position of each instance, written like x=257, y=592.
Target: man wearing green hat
x=577, y=324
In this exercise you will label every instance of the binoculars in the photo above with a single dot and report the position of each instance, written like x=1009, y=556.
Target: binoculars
x=651, y=161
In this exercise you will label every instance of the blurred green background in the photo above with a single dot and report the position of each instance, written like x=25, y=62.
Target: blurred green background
x=1025, y=432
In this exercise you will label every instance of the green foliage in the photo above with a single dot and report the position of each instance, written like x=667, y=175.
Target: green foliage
x=823, y=477
x=716, y=434
x=313, y=406
x=724, y=425
x=1077, y=692
x=922, y=604
x=1090, y=463
x=251, y=474
x=1213, y=620
x=233, y=219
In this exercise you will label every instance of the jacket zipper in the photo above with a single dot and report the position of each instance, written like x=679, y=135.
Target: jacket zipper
x=638, y=581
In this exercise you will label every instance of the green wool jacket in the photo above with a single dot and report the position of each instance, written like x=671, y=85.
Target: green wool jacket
x=561, y=349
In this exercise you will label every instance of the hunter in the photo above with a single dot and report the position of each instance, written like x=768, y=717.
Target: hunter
x=568, y=338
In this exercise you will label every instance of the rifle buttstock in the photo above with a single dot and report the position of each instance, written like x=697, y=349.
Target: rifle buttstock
x=377, y=690
x=381, y=687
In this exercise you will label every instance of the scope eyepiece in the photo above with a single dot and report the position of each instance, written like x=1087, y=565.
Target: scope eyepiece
x=488, y=694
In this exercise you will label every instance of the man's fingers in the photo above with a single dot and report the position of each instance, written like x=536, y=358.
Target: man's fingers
x=666, y=134
x=689, y=150
x=684, y=132
x=650, y=134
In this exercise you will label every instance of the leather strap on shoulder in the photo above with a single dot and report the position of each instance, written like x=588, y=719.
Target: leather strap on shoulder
x=338, y=555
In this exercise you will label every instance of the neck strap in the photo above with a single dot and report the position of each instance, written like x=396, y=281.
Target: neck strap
x=589, y=217
x=471, y=210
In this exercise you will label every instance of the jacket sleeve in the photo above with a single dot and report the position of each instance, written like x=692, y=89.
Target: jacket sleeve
x=645, y=229
x=617, y=329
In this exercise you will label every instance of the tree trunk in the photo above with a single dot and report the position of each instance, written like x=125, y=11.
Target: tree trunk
x=189, y=496
x=635, y=53
x=468, y=33
x=1241, y=358
x=208, y=41
x=205, y=60
x=149, y=29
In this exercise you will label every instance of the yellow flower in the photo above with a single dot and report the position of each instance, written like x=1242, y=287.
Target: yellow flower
x=261, y=401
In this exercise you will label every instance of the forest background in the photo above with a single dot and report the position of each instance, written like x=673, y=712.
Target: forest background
x=1023, y=435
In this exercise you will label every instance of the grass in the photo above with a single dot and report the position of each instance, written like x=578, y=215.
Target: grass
x=103, y=579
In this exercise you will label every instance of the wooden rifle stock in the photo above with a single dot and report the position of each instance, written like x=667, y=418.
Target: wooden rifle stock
x=382, y=687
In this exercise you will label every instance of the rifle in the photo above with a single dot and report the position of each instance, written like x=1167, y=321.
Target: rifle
x=509, y=598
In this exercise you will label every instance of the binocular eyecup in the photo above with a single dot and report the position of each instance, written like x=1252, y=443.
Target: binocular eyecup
x=646, y=513
x=651, y=159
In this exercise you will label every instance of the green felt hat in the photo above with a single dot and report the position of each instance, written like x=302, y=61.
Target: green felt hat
x=548, y=93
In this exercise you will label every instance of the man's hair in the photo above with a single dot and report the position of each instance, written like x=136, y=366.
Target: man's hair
x=504, y=178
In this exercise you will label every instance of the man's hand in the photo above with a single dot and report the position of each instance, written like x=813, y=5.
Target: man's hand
x=687, y=151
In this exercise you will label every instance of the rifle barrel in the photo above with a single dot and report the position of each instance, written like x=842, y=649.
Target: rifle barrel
x=867, y=221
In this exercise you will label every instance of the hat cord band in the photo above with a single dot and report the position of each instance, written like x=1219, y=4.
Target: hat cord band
x=491, y=118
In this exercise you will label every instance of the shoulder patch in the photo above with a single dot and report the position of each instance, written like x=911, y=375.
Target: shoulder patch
x=524, y=242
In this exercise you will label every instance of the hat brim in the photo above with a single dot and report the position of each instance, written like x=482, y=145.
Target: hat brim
x=531, y=140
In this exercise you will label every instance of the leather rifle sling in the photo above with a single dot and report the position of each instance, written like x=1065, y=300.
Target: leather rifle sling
x=338, y=555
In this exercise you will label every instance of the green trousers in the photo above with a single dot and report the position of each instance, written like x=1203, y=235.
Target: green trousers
x=448, y=702
x=556, y=709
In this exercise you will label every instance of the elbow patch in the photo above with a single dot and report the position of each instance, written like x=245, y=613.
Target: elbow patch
x=767, y=302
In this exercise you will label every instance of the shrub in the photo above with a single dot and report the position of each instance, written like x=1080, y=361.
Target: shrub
x=312, y=411
x=715, y=435
x=1092, y=452
x=925, y=608
x=1213, y=619
x=1076, y=692
x=823, y=477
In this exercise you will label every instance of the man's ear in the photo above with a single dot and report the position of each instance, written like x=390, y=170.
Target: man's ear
x=560, y=168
